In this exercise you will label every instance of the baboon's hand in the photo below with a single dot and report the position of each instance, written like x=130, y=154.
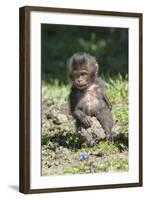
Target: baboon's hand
x=87, y=121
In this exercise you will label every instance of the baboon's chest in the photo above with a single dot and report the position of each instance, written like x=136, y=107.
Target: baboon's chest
x=89, y=102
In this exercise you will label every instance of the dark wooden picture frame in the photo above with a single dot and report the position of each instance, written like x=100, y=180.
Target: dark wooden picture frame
x=24, y=145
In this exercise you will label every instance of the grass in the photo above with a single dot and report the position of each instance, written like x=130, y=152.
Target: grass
x=104, y=156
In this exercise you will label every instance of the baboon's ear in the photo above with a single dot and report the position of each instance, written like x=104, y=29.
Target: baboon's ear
x=97, y=67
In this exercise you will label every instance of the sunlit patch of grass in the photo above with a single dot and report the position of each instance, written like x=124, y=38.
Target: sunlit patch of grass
x=110, y=163
x=81, y=168
x=55, y=90
x=114, y=164
x=107, y=148
x=117, y=92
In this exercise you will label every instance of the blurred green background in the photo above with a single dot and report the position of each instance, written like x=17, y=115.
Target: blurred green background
x=59, y=42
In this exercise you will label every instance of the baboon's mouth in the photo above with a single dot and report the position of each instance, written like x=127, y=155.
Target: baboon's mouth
x=82, y=86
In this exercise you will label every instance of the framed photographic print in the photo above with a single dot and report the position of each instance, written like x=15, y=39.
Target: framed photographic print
x=80, y=99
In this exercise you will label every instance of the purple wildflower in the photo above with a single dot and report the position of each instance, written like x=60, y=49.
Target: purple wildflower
x=84, y=155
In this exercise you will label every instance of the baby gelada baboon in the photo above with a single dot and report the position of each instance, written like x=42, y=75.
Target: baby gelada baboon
x=87, y=97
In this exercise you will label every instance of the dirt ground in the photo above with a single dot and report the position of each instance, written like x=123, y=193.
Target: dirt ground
x=63, y=152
